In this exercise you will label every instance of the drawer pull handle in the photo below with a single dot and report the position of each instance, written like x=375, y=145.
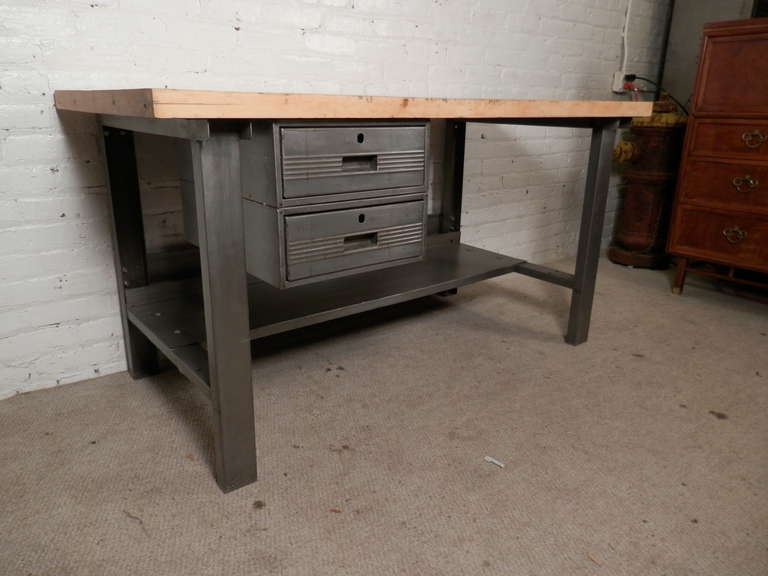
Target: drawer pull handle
x=754, y=139
x=368, y=163
x=747, y=181
x=734, y=235
x=361, y=241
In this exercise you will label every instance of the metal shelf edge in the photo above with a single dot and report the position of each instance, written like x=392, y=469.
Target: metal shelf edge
x=504, y=265
x=170, y=313
x=190, y=359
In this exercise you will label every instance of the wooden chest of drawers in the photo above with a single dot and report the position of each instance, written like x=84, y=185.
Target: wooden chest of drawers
x=721, y=207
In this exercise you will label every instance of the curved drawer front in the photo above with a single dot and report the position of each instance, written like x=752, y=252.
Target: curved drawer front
x=329, y=242
x=726, y=185
x=319, y=161
x=742, y=139
x=731, y=238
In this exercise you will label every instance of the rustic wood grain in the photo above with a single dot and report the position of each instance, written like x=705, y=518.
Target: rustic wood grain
x=163, y=103
x=138, y=102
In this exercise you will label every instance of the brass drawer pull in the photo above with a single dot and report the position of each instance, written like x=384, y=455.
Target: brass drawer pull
x=734, y=235
x=754, y=139
x=747, y=181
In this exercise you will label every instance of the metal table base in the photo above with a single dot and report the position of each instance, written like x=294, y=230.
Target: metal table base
x=204, y=324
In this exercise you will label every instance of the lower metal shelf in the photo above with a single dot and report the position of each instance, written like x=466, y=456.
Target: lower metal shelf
x=171, y=313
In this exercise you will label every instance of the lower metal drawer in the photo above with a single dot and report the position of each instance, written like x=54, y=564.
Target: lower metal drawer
x=327, y=242
x=288, y=247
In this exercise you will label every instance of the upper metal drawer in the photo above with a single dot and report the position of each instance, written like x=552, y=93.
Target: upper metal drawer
x=326, y=160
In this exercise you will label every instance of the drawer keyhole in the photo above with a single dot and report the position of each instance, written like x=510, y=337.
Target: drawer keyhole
x=361, y=218
x=360, y=138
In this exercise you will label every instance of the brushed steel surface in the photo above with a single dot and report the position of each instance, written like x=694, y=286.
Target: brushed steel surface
x=446, y=266
x=591, y=231
x=293, y=164
x=287, y=246
x=216, y=178
x=338, y=165
x=328, y=160
x=173, y=127
x=129, y=249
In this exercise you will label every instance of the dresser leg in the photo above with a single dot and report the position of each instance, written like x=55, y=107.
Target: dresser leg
x=680, y=272
x=591, y=231
x=216, y=175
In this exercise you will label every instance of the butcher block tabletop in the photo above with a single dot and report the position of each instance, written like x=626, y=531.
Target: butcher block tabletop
x=189, y=104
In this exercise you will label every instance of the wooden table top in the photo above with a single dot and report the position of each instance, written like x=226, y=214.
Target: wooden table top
x=189, y=104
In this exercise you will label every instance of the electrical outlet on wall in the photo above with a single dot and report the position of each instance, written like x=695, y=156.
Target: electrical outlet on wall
x=618, y=82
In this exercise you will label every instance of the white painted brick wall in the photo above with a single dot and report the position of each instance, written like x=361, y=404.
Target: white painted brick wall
x=58, y=312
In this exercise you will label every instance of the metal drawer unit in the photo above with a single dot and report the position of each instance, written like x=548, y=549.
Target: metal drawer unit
x=292, y=164
x=292, y=246
x=326, y=200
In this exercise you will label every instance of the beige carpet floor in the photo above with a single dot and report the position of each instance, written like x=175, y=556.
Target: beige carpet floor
x=643, y=452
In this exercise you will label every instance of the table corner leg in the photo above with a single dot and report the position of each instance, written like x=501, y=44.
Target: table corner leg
x=591, y=231
x=128, y=243
x=216, y=164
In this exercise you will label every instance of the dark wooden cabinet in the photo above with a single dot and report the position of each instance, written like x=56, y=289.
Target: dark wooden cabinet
x=720, y=214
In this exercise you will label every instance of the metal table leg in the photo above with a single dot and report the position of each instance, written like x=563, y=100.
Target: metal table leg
x=216, y=173
x=453, y=176
x=128, y=242
x=591, y=231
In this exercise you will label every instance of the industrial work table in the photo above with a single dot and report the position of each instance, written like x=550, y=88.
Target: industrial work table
x=203, y=321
